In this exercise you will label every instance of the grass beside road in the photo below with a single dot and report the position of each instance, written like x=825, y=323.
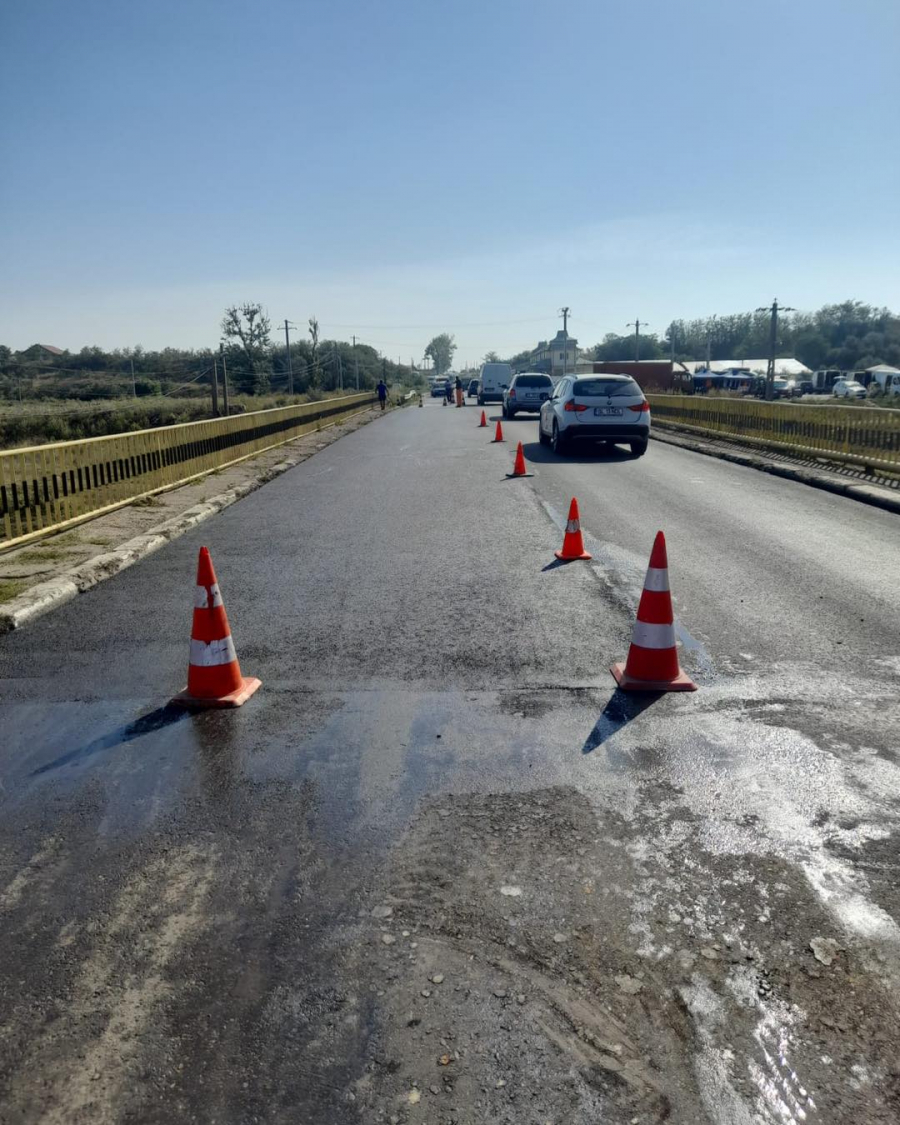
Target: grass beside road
x=10, y=588
x=48, y=420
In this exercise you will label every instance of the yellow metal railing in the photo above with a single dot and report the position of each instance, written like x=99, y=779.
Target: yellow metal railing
x=857, y=434
x=48, y=487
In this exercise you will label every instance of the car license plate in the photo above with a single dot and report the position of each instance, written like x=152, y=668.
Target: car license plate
x=617, y=410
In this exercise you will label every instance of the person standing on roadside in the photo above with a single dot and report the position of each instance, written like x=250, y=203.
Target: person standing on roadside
x=448, y=391
x=460, y=401
x=382, y=392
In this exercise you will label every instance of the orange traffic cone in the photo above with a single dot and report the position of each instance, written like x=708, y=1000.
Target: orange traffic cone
x=519, y=469
x=483, y=421
x=652, y=663
x=214, y=675
x=498, y=435
x=573, y=543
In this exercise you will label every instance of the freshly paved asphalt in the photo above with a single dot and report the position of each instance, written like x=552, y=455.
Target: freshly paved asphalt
x=398, y=597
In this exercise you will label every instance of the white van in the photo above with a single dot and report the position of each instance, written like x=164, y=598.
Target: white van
x=493, y=381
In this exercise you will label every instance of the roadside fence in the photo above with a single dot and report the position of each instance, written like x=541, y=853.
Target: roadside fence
x=45, y=488
x=852, y=434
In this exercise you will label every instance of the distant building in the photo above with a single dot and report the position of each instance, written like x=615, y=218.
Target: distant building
x=649, y=374
x=38, y=352
x=554, y=357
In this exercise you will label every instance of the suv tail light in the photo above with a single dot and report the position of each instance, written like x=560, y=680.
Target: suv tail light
x=512, y=392
x=641, y=407
x=574, y=407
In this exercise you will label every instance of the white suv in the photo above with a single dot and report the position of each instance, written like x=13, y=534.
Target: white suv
x=596, y=408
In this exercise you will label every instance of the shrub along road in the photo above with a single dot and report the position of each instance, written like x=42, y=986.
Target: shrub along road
x=437, y=870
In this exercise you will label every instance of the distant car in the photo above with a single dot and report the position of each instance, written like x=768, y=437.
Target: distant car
x=526, y=392
x=472, y=392
x=493, y=381
x=805, y=387
x=608, y=408
x=848, y=388
x=438, y=390
x=782, y=388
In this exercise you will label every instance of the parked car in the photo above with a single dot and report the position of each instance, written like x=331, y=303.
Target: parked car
x=848, y=388
x=472, y=392
x=806, y=387
x=439, y=389
x=608, y=408
x=527, y=391
x=493, y=381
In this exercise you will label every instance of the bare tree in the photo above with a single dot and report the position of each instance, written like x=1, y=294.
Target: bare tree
x=246, y=327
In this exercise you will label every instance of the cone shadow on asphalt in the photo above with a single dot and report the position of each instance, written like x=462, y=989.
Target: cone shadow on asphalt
x=146, y=724
x=618, y=712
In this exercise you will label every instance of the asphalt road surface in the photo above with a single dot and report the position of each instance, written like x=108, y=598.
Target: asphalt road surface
x=438, y=870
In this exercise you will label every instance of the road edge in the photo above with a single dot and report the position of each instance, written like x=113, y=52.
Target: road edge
x=46, y=596
x=872, y=494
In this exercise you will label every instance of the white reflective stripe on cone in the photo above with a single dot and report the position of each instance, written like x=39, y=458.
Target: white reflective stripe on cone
x=656, y=580
x=207, y=599
x=653, y=636
x=572, y=526
x=208, y=654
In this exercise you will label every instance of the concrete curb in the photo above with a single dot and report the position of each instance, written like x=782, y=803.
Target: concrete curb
x=45, y=596
x=872, y=494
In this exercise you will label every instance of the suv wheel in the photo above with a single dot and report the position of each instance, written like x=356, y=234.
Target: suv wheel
x=557, y=441
x=639, y=448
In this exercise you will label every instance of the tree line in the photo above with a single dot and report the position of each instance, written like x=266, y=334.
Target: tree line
x=256, y=365
x=850, y=335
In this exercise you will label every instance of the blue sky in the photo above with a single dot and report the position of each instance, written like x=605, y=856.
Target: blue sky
x=402, y=168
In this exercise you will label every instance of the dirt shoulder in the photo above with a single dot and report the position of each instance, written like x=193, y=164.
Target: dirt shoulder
x=37, y=577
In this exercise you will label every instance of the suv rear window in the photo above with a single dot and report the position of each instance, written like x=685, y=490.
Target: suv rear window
x=611, y=387
x=534, y=381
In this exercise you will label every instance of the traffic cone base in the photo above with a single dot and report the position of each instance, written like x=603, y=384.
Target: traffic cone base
x=681, y=682
x=249, y=684
x=652, y=663
x=573, y=540
x=214, y=674
x=519, y=469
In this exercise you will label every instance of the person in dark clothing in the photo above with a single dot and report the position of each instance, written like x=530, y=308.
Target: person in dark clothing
x=382, y=392
x=460, y=401
x=448, y=390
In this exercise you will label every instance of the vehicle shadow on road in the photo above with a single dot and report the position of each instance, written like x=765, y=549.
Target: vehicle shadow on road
x=621, y=708
x=585, y=454
x=146, y=724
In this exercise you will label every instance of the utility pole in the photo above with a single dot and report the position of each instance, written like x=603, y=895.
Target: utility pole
x=133, y=386
x=356, y=362
x=636, y=324
x=287, y=346
x=709, y=330
x=564, y=313
x=224, y=379
x=341, y=369
x=773, y=310
x=214, y=382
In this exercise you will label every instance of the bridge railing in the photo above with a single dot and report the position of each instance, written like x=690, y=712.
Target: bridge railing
x=45, y=488
x=855, y=434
